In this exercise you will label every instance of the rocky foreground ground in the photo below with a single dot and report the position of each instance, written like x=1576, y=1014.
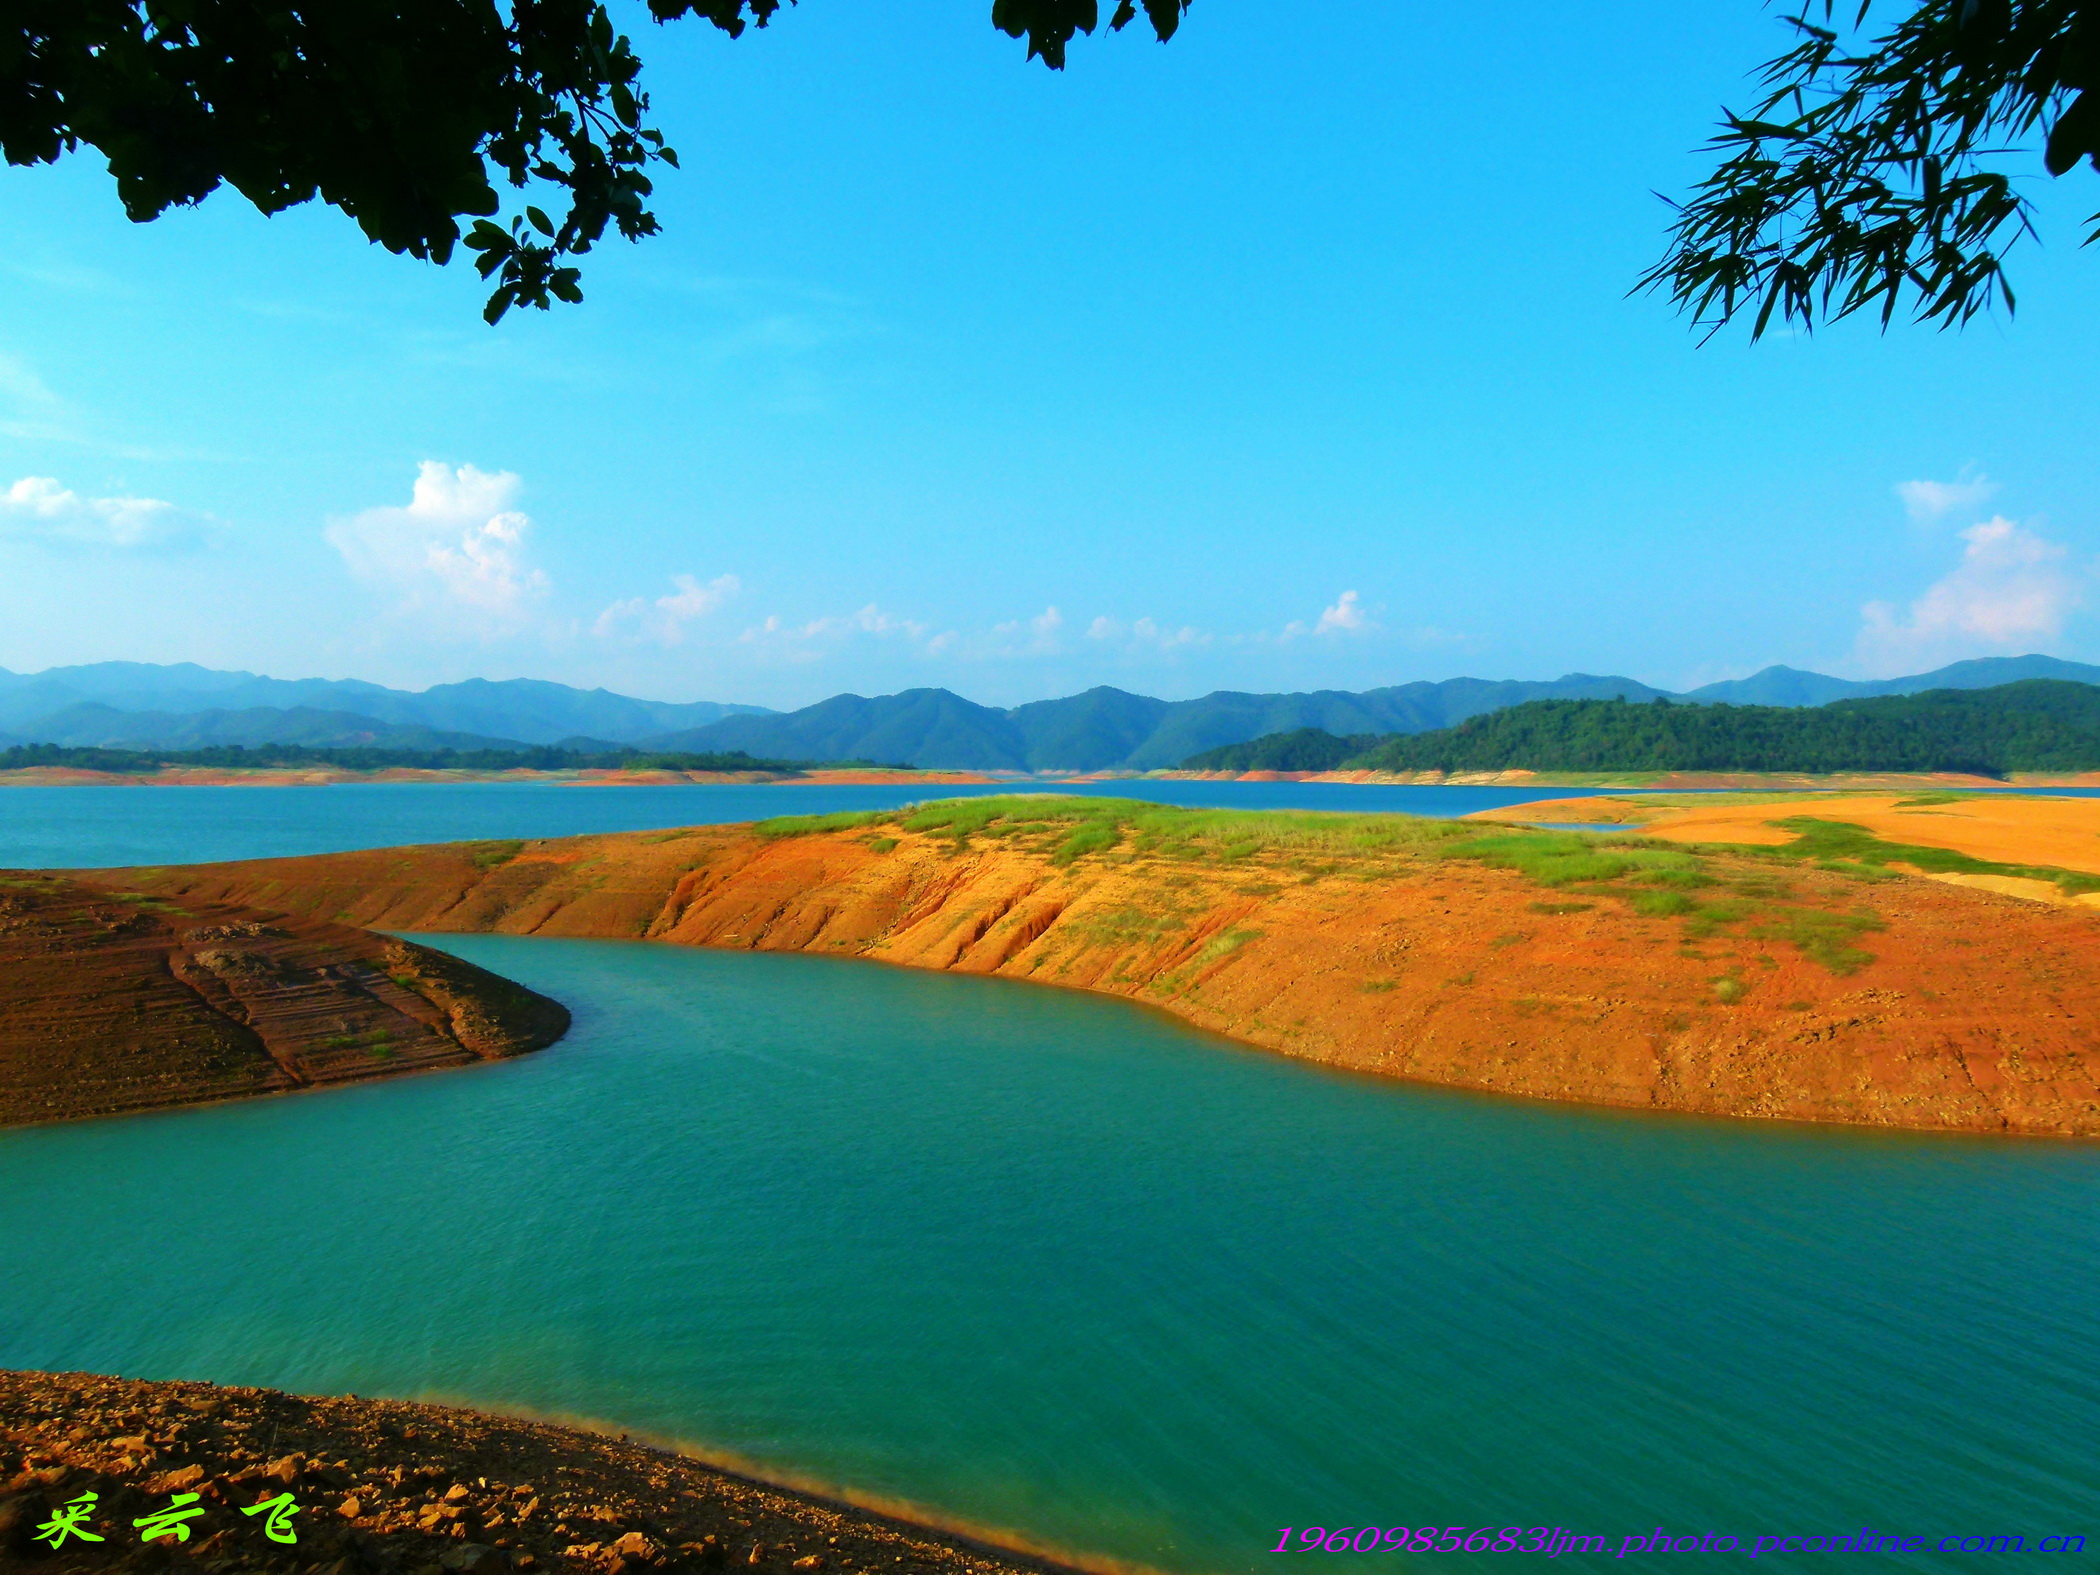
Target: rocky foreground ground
x=382, y=1487
x=113, y=999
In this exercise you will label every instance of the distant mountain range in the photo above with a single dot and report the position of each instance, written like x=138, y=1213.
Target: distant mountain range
x=134, y=705
x=52, y=707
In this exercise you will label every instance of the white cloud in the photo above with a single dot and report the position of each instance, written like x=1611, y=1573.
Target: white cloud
x=39, y=508
x=808, y=641
x=1931, y=500
x=1035, y=636
x=458, y=547
x=2010, y=594
x=664, y=620
x=1146, y=633
x=1346, y=616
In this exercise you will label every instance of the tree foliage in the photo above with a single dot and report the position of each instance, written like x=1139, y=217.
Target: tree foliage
x=2039, y=724
x=1871, y=175
x=408, y=115
x=1305, y=749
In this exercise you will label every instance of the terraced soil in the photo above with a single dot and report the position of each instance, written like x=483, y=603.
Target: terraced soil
x=117, y=999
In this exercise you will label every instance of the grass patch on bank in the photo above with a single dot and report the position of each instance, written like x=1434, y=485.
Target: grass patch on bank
x=1658, y=881
x=493, y=855
x=1655, y=880
x=816, y=825
x=1069, y=827
x=1854, y=850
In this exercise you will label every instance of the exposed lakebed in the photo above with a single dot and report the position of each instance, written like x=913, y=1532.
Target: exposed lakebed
x=1045, y=1262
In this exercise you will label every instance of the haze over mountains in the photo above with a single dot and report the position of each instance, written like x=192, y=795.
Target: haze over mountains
x=141, y=706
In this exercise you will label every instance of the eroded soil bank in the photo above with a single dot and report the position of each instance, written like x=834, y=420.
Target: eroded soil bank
x=116, y=999
x=1726, y=982
x=382, y=1486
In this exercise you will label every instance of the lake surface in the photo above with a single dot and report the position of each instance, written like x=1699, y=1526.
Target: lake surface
x=1040, y=1261
x=107, y=827
x=1049, y=1264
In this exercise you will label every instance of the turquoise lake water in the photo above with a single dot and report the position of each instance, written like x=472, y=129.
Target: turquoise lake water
x=1045, y=1262
x=106, y=827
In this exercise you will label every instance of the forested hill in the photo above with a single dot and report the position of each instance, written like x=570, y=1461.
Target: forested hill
x=2037, y=725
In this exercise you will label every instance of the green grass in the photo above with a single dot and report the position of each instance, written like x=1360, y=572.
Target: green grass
x=816, y=825
x=1821, y=935
x=1840, y=845
x=492, y=855
x=1656, y=880
x=1226, y=944
x=1070, y=828
x=1662, y=904
x=1566, y=858
x=1704, y=918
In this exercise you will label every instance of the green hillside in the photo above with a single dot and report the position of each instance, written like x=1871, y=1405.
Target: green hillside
x=1305, y=749
x=2036, y=725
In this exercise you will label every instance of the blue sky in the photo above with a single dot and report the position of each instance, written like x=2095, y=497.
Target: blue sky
x=1276, y=357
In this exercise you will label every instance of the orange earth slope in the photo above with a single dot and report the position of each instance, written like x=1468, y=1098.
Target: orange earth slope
x=1789, y=992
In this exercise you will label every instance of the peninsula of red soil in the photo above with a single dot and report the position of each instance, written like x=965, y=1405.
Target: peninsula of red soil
x=384, y=1487
x=116, y=999
x=1724, y=983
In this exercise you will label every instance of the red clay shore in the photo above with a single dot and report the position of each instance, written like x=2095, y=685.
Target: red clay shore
x=1794, y=993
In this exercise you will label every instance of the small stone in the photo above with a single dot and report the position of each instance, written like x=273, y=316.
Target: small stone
x=285, y=1469
x=635, y=1546
x=809, y=1561
x=181, y=1481
x=350, y=1509
x=455, y=1493
x=758, y=1553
